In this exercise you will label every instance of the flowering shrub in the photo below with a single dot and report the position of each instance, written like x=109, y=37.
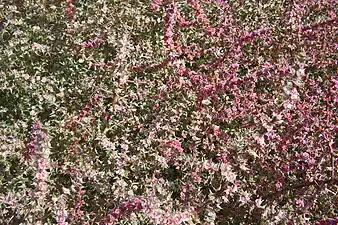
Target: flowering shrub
x=168, y=112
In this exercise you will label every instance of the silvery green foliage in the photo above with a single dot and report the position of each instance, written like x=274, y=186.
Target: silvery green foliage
x=167, y=112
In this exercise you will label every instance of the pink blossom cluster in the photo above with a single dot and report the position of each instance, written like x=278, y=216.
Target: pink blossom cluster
x=175, y=145
x=172, y=149
x=169, y=19
x=123, y=210
x=37, y=156
x=61, y=213
x=70, y=10
x=36, y=140
x=42, y=175
x=90, y=44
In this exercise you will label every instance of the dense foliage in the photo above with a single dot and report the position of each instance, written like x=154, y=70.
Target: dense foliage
x=168, y=112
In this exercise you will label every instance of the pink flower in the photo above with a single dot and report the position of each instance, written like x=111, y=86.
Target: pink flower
x=196, y=178
x=211, y=31
x=215, y=130
x=155, y=5
x=284, y=69
x=235, y=65
x=243, y=199
x=299, y=202
x=286, y=167
x=279, y=186
x=174, y=144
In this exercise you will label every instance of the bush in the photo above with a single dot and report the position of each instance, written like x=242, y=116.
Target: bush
x=168, y=112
